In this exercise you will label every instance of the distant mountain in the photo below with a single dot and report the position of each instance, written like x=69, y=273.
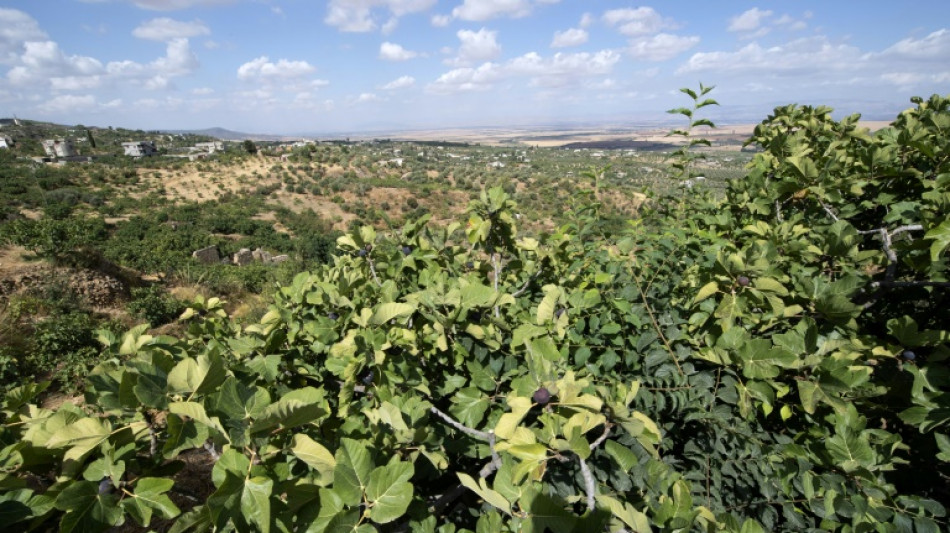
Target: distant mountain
x=228, y=135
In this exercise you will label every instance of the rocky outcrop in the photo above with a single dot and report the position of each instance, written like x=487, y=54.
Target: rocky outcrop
x=96, y=288
x=243, y=257
x=208, y=255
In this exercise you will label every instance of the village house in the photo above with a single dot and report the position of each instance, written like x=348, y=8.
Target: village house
x=6, y=142
x=209, y=147
x=59, y=148
x=139, y=148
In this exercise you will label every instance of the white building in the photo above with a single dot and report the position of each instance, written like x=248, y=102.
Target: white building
x=209, y=147
x=59, y=148
x=6, y=142
x=139, y=148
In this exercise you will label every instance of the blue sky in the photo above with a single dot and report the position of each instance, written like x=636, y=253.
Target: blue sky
x=293, y=66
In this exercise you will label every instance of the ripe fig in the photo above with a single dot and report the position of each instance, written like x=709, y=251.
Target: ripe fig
x=361, y=253
x=470, y=265
x=541, y=396
x=332, y=316
x=909, y=355
x=367, y=378
x=105, y=486
x=742, y=281
x=406, y=250
x=559, y=312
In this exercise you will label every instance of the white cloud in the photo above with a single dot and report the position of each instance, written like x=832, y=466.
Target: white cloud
x=934, y=46
x=394, y=52
x=559, y=70
x=390, y=26
x=476, y=46
x=479, y=10
x=364, y=98
x=903, y=79
x=562, y=69
x=399, y=83
x=749, y=21
x=634, y=22
x=75, y=83
x=202, y=91
x=16, y=28
x=466, y=79
x=68, y=103
x=662, y=46
x=811, y=56
x=43, y=60
x=362, y=16
x=179, y=59
x=586, y=20
x=263, y=68
x=170, y=5
x=441, y=21
x=165, y=29
x=569, y=37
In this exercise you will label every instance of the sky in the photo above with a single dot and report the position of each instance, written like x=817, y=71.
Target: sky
x=350, y=66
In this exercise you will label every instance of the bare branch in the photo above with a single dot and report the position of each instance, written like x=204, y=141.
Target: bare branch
x=464, y=429
x=906, y=284
x=496, y=264
x=589, y=483
x=527, y=282
x=372, y=270
x=600, y=440
x=829, y=211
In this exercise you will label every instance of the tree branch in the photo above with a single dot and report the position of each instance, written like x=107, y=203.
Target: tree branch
x=589, y=483
x=372, y=270
x=490, y=437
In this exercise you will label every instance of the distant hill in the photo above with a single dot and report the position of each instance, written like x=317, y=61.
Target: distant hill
x=228, y=135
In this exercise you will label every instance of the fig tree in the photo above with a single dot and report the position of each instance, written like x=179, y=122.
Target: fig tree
x=541, y=396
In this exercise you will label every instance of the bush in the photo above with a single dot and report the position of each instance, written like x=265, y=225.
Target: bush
x=154, y=305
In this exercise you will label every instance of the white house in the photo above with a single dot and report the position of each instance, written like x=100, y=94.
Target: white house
x=139, y=148
x=59, y=148
x=209, y=147
x=6, y=142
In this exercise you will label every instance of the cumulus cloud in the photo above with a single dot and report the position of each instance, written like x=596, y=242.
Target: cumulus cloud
x=480, y=10
x=586, y=20
x=559, y=70
x=363, y=15
x=749, y=20
x=662, y=46
x=16, y=28
x=68, y=103
x=401, y=82
x=634, y=22
x=475, y=46
x=934, y=46
x=264, y=68
x=810, y=56
x=441, y=21
x=364, y=98
x=43, y=60
x=466, y=79
x=169, y=5
x=394, y=52
x=165, y=29
x=569, y=37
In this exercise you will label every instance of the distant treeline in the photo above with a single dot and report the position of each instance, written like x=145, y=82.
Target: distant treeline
x=621, y=145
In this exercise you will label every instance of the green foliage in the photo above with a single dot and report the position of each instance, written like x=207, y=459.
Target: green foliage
x=154, y=305
x=737, y=365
